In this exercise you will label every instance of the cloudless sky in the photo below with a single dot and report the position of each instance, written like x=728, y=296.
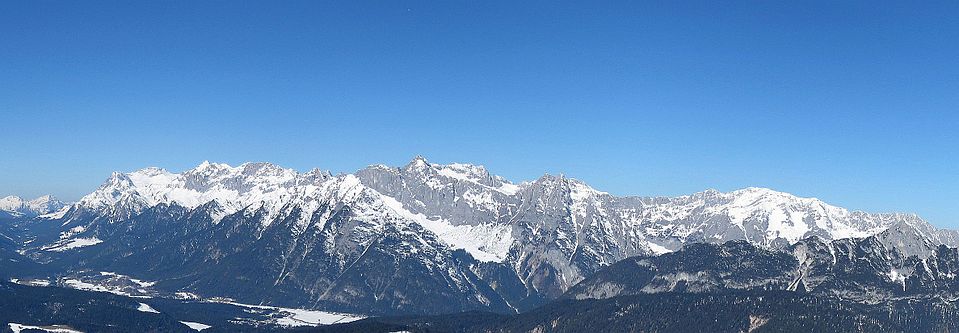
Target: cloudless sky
x=856, y=103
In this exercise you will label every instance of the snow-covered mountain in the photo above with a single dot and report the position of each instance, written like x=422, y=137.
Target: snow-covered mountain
x=311, y=239
x=17, y=206
x=561, y=229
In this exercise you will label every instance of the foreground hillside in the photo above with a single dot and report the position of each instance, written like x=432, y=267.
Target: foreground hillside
x=760, y=311
x=34, y=303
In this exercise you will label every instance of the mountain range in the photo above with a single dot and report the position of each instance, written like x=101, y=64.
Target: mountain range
x=427, y=238
x=14, y=206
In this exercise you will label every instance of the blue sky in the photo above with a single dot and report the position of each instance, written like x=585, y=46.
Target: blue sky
x=851, y=102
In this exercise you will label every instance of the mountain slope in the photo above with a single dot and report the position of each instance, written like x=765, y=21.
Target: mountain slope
x=351, y=251
x=865, y=270
x=734, y=312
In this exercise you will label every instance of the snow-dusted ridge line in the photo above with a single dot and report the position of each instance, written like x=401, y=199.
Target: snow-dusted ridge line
x=661, y=223
x=264, y=185
x=261, y=182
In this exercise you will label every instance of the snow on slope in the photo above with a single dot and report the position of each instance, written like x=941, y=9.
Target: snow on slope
x=195, y=326
x=253, y=185
x=232, y=187
x=70, y=244
x=485, y=242
x=143, y=307
x=302, y=317
x=476, y=175
x=777, y=214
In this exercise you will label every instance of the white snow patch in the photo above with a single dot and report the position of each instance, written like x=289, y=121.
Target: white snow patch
x=896, y=276
x=17, y=328
x=186, y=295
x=474, y=174
x=302, y=317
x=72, y=244
x=139, y=282
x=77, y=284
x=31, y=282
x=142, y=283
x=81, y=285
x=73, y=232
x=485, y=242
x=195, y=326
x=481, y=199
x=658, y=249
x=143, y=307
x=509, y=188
x=786, y=224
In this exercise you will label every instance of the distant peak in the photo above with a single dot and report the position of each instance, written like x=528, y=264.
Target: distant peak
x=417, y=163
x=471, y=170
x=11, y=202
x=419, y=159
x=41, y=205
x=152, y=171
x=318, y=171
x=44, y=199
x=207, y=165
x=762, y=192
x=258, y=165
x=551, y=177
x=118, y=178
x=754, y=189
x=254, y=168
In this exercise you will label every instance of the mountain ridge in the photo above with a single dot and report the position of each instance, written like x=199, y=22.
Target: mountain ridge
x=476, y=239
x=445, y=169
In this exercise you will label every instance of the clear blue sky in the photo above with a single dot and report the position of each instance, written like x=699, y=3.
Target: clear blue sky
x=856, y=103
